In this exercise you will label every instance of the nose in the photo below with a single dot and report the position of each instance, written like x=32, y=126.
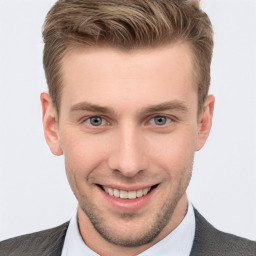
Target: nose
x=128, y=155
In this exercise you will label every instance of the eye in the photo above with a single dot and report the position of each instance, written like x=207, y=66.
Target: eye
x=160, y=120
x=95, y=121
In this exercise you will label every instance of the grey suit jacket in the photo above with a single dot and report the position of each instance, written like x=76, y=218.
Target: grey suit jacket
x=208, y=242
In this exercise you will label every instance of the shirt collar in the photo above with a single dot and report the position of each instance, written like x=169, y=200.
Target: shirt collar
x=179, y=242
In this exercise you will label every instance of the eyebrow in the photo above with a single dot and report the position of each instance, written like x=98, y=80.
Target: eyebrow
x=86, y=106
x=170, y=105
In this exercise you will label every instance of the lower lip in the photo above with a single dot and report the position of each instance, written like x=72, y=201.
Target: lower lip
x=128, y=204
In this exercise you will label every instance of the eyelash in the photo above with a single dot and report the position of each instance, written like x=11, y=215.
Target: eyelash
x=170, y=119
x=91, y=117
x=161, y=116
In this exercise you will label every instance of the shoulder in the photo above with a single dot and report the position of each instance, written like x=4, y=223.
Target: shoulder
x=46, y=242
x=210, y=242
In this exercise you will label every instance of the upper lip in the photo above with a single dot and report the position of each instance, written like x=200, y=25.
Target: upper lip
x=127, y=187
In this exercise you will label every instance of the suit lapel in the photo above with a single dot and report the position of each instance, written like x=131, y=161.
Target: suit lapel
x=198, y=245
x=204, y=237
x=53, y=244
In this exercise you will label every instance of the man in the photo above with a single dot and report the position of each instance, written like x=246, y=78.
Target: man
x=128, y=106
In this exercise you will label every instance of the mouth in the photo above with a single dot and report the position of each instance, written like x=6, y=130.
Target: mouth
x=127, y=195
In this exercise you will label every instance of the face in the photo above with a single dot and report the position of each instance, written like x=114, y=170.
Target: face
x=128, y=128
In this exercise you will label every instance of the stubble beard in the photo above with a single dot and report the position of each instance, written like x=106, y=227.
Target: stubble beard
x=150, y=231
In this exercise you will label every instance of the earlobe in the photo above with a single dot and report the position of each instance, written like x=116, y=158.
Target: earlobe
x=205, y=122
x=50, y=124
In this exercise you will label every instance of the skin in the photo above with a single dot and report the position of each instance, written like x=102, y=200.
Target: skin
x=129, y=150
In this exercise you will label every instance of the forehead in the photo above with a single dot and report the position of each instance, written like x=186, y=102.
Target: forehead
x=110, y=75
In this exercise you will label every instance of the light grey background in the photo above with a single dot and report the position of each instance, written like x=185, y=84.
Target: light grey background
x=34, y=192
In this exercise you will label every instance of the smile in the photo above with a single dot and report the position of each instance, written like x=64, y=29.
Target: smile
x=127, y=194
x=125, y=199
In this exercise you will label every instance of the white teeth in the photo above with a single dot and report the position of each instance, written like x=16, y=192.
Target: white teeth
x=145, y=191
x=139, y=193
x=116, y=193
x=123, y=194
x=110, y=191
x=132, y=194
x=126, y=194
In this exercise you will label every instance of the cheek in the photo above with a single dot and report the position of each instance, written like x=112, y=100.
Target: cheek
x=82, y=154
x=174, y=152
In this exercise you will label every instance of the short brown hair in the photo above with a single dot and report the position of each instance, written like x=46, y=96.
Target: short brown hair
x=126, y=24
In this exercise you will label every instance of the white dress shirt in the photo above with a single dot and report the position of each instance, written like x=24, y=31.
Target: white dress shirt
x=178, y=243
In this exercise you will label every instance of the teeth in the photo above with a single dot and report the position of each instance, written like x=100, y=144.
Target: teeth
x=123, y=194
x=145, y=191
x=126, y=194
x=110, y=191
x=116, y=193
x=139, y=193
x=132, y=194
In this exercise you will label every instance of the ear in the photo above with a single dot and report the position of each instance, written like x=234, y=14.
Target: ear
x=50, y=124
x=205, y=122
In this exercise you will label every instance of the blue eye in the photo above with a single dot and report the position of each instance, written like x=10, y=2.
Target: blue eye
x=160, y=120
x=95, y=121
